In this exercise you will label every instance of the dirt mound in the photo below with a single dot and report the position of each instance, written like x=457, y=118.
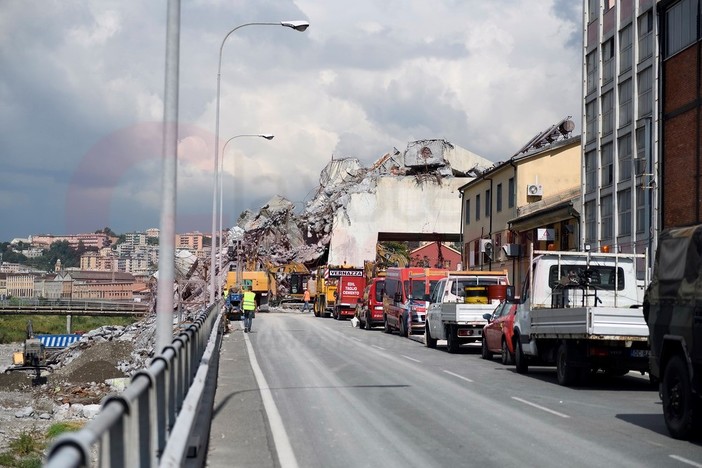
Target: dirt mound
x=96, y=363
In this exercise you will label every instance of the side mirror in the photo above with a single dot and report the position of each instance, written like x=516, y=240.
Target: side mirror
x=487, y=316
x=398, y=297
x=509, y=295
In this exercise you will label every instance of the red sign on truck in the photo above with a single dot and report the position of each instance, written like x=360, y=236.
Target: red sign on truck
x=349, y=290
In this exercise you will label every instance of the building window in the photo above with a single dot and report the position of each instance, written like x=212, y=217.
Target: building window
x=640, y=209
x=680, y=26
x=590, y=120
x=468, y=211
x=498, y=196
x=590, y=225
x=590, y=171
x=608, y=60
x=510, y=193
x=624, y=209
x=645, y=35
x=625, y=49
x=477, y=207
x=591, y=67
x=488, y=204
x=645, y=81
x=626, y=107
x=606, y=207
x=593, y=10
x=641, y=163
x=607, y=112
x=607, y=165
x=624, y=153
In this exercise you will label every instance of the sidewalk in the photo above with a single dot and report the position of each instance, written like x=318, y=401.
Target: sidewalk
x=239, y=434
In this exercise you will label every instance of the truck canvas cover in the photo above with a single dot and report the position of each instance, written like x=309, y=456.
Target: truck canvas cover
x=672, y=297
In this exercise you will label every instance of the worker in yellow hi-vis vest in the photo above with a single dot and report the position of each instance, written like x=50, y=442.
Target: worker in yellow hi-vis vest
x=249, y=306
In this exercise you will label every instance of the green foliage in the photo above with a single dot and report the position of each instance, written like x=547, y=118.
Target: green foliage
x=14, y=328
x=152, y=241
x=59, y=428
x=26, y=444
x=107, y=231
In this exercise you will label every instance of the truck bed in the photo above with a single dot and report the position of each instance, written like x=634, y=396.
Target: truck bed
x=462, y=313
x=589, y=322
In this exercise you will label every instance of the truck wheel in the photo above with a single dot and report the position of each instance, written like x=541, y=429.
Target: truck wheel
x=680, y=406
x=368, y=321
x=451, y=340
x=485, y=352
x=429, y=342
x=566, y=374
x=386, y=325
x=506, y=356
x=520, y=360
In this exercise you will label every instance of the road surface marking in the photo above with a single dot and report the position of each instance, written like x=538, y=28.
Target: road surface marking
x=286, y=456
x=458, y=376
x=542, y=408
x=378, y=347
x=685, y=460
x=356, y=339
x=410, y=358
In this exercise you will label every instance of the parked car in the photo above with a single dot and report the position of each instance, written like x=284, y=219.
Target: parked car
x=497, y=334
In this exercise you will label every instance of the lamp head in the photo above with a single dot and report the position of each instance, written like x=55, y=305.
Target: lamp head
x=296, y=25
x=267, y=136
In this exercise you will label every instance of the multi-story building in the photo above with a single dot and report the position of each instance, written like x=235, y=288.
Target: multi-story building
x=104, y=260
x=47, y=287
x=191, y=241
x=97, y=240
x=97, y=285
x=3, y=286
x=20, y=285
x=153, y=233
x=530, y=199
x=620, y=126
x=681, y=146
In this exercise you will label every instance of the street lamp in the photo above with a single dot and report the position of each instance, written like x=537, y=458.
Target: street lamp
x=295, y=25
x=267, y=136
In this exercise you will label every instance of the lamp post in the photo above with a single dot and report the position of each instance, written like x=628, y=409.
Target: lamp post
x=297, y=26
x=267, y=136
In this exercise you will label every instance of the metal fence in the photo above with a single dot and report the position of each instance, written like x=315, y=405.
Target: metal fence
x=153, y=421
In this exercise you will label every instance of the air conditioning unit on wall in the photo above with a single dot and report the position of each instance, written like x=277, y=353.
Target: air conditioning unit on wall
x=535, y=190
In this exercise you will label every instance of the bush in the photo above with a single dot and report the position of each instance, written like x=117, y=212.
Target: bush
x=59, y=428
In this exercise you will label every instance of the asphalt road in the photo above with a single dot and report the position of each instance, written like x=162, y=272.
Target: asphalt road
x=335, y=395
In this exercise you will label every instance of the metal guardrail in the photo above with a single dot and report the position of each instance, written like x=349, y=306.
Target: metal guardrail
x=135, y=428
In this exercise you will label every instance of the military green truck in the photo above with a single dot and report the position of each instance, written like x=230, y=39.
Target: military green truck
x=673, y=311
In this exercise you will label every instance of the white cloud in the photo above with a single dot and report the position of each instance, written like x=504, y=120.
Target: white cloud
x=366, y=76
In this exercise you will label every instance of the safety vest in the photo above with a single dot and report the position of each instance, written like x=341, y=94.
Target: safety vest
x=249, y=300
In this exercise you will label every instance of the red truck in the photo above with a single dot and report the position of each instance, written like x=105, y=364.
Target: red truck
x=350, y=285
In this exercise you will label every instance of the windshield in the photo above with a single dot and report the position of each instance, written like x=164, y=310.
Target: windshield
x=379, y=291
x=418, y=289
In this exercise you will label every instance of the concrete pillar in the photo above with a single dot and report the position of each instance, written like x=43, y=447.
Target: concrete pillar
x=69, y=324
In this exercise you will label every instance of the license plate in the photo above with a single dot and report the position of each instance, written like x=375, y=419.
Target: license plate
x=640, y=353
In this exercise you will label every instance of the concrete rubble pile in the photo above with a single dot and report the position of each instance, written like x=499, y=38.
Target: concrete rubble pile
x=278, y=235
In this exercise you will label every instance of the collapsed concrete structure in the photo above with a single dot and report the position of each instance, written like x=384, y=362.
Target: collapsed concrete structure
x=402, y=196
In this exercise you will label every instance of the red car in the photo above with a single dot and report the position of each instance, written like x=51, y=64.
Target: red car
x=497, y=334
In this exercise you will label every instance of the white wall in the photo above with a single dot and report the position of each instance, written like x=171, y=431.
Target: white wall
x=399, y=205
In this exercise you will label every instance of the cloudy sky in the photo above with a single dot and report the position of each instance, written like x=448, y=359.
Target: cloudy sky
x=81, y=97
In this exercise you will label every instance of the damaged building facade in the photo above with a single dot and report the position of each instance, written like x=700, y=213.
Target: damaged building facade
x=402, y=196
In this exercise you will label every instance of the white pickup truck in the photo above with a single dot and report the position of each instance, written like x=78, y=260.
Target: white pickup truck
x=457, y=305
x=581, y=311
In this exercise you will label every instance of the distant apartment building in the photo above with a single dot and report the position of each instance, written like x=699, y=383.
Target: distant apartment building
x=98, y=240
x=20, y=285
x=153, y=233
x=135, y=238
x=3, y=286
x=191, y=241
x=681, y=106
x=104, y=260
x=47, y=287
x=98, y=285
x=620, y=126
